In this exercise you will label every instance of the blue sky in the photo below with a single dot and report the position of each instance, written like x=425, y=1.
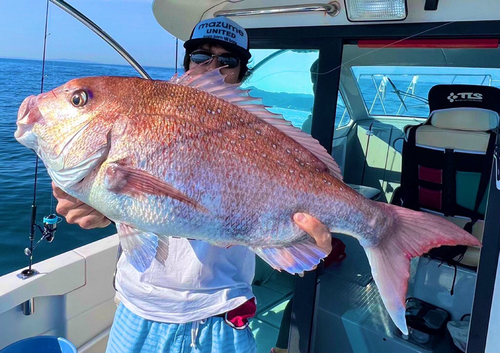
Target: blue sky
x=130, y=22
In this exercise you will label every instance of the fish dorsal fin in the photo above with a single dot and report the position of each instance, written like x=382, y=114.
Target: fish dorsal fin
x=212, y=82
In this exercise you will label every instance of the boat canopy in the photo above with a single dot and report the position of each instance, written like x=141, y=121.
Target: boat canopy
x=179, y=17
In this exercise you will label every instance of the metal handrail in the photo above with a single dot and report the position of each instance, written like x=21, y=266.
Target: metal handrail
x=101, y=33
x=332, y=9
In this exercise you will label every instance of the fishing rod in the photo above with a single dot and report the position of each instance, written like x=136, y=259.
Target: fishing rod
x=49, y=222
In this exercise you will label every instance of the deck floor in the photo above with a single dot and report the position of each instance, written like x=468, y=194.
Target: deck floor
x=349, y=313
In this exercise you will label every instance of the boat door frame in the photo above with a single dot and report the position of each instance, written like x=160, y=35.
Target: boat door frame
x=329, y=40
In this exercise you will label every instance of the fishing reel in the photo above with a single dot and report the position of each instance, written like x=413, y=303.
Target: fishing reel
x=48, y=231
x=50, y=226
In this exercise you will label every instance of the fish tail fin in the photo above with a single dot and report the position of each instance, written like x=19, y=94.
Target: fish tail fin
x=411, y=234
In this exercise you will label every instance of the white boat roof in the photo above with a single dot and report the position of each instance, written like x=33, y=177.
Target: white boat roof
x=179, y=16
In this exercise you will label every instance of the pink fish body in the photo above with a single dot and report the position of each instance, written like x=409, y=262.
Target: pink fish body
x=196, y=158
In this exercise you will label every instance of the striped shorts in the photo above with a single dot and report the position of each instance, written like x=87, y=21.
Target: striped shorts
x=132, y=334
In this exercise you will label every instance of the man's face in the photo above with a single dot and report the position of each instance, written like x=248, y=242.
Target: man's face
x=214, y=49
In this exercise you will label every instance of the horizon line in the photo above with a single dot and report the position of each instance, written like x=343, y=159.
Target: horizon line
x=86, y=62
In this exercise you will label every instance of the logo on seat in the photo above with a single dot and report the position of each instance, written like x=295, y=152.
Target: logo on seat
x=465, y=96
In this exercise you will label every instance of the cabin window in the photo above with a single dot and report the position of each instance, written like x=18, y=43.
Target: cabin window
x=284, y=80
x=403, y=90
x=342, y=115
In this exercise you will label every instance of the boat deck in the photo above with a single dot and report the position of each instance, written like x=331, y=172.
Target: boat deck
x=349, y=313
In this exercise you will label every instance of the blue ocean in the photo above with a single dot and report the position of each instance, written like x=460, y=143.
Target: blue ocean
x=19, y=79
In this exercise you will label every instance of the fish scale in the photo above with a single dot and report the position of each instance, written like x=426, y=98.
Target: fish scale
x=200, y=159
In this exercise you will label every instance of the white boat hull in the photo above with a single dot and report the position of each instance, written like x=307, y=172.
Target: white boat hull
x=73, y=298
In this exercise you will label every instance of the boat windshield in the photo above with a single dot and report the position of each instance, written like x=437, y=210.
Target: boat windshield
x=402, y=90
x=284, y=79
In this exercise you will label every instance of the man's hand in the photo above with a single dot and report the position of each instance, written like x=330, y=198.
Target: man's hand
x=315, y=229
x=77, y=212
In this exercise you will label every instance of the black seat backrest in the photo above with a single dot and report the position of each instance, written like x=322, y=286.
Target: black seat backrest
x=446, y=161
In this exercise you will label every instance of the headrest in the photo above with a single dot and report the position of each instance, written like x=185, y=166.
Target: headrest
x=470, y=119
x=464, y=107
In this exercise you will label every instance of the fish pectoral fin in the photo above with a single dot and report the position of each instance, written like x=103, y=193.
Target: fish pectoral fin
x=142, y=247
x=122, y=179
x=296, y=258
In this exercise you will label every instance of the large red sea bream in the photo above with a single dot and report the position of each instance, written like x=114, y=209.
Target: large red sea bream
x=197, y=158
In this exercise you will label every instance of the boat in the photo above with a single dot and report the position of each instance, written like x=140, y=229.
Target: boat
x=377, y=62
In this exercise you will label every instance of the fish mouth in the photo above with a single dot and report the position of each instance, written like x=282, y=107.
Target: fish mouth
x=27, y=115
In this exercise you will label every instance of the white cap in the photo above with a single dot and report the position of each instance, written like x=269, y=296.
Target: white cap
x=220, y=30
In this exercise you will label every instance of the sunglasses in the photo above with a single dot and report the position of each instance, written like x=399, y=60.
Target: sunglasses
x=226, y=59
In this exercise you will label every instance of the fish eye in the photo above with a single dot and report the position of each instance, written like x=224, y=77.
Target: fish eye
x=79, y=98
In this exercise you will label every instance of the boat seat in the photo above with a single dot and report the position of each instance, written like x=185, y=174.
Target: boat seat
x=446, y=161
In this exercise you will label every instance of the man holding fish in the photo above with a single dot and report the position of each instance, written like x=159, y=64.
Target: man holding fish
x=207, y=292
x=198, y=177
